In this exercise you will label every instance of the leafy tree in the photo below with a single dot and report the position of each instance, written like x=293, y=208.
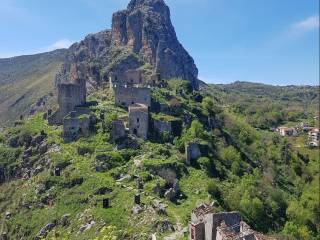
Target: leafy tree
x=296, y=232
x=214, y=190
x=230, y=155
x=196, y=130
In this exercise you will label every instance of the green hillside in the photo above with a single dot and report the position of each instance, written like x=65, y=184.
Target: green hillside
x=272, y=182
x=24, y=80
x=266, y=106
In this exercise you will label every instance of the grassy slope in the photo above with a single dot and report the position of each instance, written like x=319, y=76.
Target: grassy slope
x=81, y=202
x=24, y=80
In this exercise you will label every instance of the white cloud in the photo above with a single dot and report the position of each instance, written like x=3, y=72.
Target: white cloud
x=62, y=43
x=306, y=25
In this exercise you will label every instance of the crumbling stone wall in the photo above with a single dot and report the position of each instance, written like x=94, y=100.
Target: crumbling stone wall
x=162, y=126
x=192, y=152
x=70, y=95
x=196, y=231
x=118, y=130
x=78, y=123
x=173, y=127
x=213, y=221
x=126, y=96
x=139, y=120
x=129, y=77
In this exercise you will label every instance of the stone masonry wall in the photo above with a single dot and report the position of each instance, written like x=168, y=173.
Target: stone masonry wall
x=70, y=95
x=139, y=121
x=130, y=77
x=213, y=220
x=118, y=130
x=126, y=96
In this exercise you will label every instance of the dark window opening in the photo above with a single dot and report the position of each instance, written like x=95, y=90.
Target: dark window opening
x=138, y=120
x=135, y=131
x=132, y=102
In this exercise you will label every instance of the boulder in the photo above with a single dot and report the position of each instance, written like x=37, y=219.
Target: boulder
x=164, y=226
x=42, y=149
x=65, y=220
x=47, y=228
x=8, y=215
x=137, y=209
x=41, y=188
x=172, y=193
x=13, y=142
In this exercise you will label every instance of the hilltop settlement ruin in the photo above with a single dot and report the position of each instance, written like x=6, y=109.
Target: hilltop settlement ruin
x=132, y=90
x=207, y=225
x=131, y=93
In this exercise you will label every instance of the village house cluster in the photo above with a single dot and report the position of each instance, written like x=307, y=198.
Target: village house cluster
x=302, y=128
x=205, y=224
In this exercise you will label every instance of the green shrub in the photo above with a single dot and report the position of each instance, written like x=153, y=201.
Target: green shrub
x=214, y=190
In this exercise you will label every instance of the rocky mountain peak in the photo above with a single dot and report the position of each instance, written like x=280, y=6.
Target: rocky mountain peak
x=156, y=4
x=141, y=35
x=146, y=29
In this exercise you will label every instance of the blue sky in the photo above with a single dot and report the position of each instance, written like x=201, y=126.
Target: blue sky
x=269, y=41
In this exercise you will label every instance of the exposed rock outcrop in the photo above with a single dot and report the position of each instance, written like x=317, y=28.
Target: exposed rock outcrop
x=141, y=36
x=146, y=28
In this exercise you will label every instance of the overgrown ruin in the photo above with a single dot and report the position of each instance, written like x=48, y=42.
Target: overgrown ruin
x=207, y=225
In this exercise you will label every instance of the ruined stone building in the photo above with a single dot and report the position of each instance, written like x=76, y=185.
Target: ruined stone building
x=78, y=123
x=70, y=95
x=130, y=92
x=126, y=96
x=132, y=77
x=139, y=120
x=207, y=225
x=173, y=126
x=118, y=130
x=130, y=88
x=192, y=152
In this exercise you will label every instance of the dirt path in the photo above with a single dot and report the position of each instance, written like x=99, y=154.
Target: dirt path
x=180, y=231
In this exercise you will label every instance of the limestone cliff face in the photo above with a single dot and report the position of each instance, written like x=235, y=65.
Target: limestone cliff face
x=146, y=28
x=141, y=35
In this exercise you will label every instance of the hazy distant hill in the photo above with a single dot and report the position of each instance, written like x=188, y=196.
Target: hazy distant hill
x=25, y=79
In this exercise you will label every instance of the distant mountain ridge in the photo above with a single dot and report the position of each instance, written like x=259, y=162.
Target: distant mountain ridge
x=24, y=80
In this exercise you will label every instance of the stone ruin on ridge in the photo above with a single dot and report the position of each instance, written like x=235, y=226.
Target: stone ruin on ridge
x=207, y=225
x=130, y=88
x=70, y=95
x=77, y=120
x=130, y=92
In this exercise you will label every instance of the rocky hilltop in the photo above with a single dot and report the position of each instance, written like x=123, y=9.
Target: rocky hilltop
x=142, y=36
